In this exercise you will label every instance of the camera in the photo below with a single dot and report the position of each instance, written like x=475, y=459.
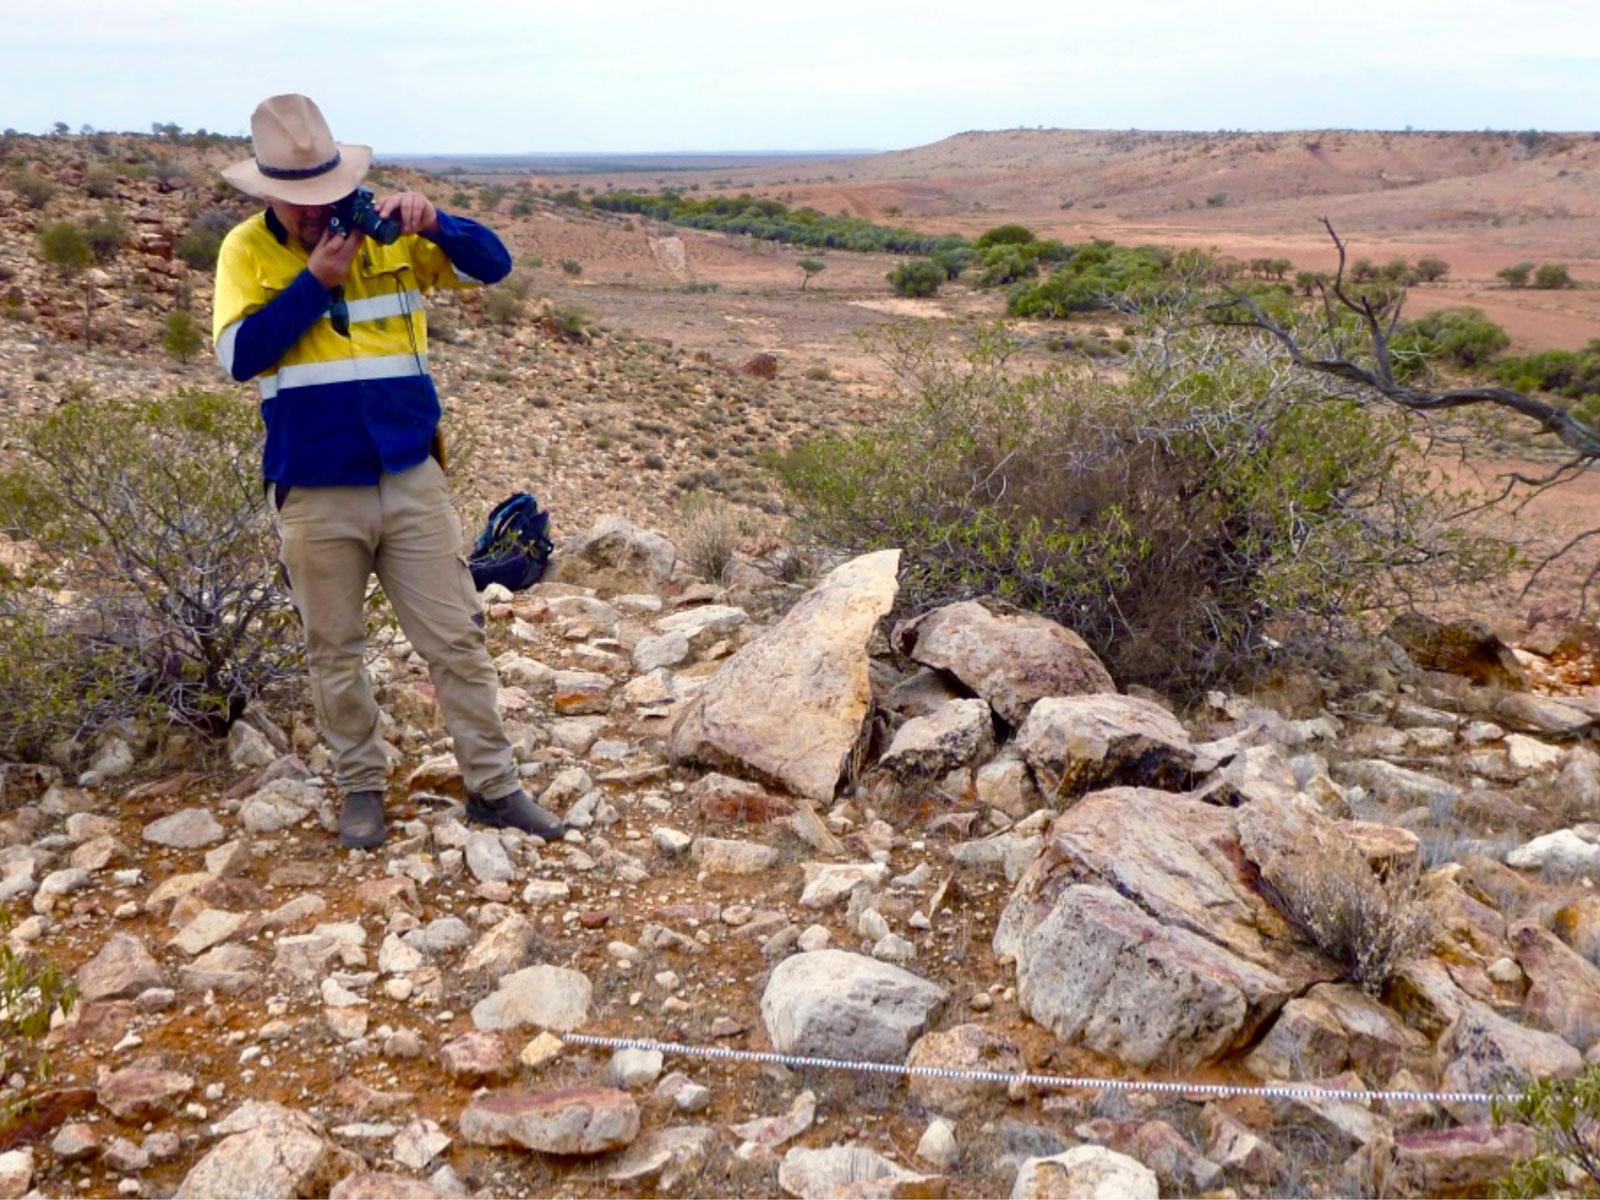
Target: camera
x=356, y=212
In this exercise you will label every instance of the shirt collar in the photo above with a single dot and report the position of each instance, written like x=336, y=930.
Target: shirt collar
x=276, y=226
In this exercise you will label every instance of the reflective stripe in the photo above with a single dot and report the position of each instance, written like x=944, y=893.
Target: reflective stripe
x=375, y=308
x=225, y=346
x=343, y=370
x=464, y=277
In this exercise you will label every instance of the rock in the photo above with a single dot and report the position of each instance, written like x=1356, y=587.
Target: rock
x=1009, y=657
x=725, y=856
x=16, y=1173
x=419, y=1143
x=74, y=1143
x=138, y=1094
x=281, y=1153
x=1157, y=1145
x=1387, y=848
x=704, y=624
x=186, y=830
x=1078, y=743
x=207, y=928
x=1378, y=1042
x=723, y=798
x=580, y=692
x=579, y=1120
x=960, y=733
x=1464, y=647
x=279, y=805
x=1462, y=1161
x=790, y=706
x=487, y=859
x=1159, y=942
x=1579, y=780
x=502, y=949
x=1484, y=1051
x=226, y=968
x=1399, y=785
x=664, y=650
x=1541, y=714
x=617, y=556
x=842, y=1005
x=937, y=1146
x=1305, y=1042
x=662, y=1161
x=113, y=761
x=1530, y=756
x=962, y=1047
x=1007, y=784
x=761, y=365
x=1235, y=1148
x=1563, y=852
x=1563, y=988
x=1085, y=1173
x=248, y=748
x=122, y=968
x=632, y=1069
x=541, y=1051
x=385, y=1185
x=1346, y=1126
x=474, y=1058
x=764, y=1135
x=552, y=997
x=920, y=694
x=847, y=1170
x=828, y=883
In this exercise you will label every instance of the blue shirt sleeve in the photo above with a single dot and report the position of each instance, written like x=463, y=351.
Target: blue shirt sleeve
x=266, y=334
x=473, y=249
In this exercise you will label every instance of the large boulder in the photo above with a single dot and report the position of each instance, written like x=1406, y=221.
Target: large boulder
x=617, y=556
x=1486, y=1052
x=841, y=1005
x=1141, y=929
x=1563, y=987
x=1464, y=1161
x=1465, y=647
x=1009, y=657
x=1077, y=743
x=790, y=706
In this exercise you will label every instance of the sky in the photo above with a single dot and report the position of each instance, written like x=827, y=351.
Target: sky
x=527, y=76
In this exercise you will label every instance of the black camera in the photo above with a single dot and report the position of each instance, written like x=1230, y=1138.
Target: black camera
x=356, y=212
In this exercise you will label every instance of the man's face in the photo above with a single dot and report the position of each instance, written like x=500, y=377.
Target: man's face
x=305, y=222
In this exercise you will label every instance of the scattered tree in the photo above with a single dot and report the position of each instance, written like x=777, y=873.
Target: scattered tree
x=1431, y=269
x=106, y=235
x=1551, y=276
x=808, y=268
x=918, y=277
x=1516, y=276
x=64, y=248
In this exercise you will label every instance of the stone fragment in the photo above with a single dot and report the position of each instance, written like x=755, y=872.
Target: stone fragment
x=123, y=967
x=487, y=859
x=937, y=1146
x=960, y=733
x=574, y=1121
x=1563, y=852
x=16, y=1173
x=267, y=1150
x=849, y=1170
x=501, y=949
x=828, y=883
x=962, y=1047
x=1009, y=657
x=1563, y=987
x=476, y=1057
x=663, y=1161
x=723, y=798
x=385, y=1185
x=1467, y=1160
x=843, y=1005
x=138, y=1094
x=791, y=705
x=632, y=1069
x=1085, y=1173
x=207, y=928
x=552, y=997
x=186, y=830
x=1399, y=785
x=617, y=556
x=1077, y=743
x=419, y=1143
x=226, y=968
x=728, y=856
x=1484, y=1052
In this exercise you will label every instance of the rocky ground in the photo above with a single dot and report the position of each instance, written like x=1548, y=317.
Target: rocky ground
x=1024, y=868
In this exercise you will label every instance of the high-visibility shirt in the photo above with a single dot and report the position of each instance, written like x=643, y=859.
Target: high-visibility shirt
x=341, y=410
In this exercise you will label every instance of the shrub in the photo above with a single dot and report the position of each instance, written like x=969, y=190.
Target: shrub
x=712, y=531
x=570, y=321
x=502, y=305
x=33, y=188
x=1005, y=264
x=106, y=235
x=1171, y=517
x=1431, y=270
x=1371, y=927
x=182, y=338
x=151, y=512
x=203, y=239
x=64, y=248
x=1564, y=1117
x=1552, y=275
x=1461, y=336
x=1101, y=275
x=1217, y=200
x=808, y=268
x=572, y=266
x=1515, y=276
x=100, y=183
x=31, y=989
x=1003, y=235
x=1574, y=374
x=955, y=260
x=918, y=277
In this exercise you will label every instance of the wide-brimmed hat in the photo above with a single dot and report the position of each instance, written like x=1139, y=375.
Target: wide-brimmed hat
x=296, y=158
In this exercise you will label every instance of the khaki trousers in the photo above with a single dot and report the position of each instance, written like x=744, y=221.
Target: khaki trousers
x=405, y=530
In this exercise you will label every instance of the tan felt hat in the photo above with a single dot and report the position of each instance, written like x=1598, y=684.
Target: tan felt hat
x=296, y=158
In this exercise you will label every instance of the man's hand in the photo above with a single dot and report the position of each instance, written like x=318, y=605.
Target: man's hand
x=416, y=212
x=330, y=261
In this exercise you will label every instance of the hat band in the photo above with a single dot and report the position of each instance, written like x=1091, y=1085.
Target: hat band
x=298, y=172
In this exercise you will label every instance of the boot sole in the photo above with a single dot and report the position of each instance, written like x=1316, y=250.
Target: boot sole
x=368, y=841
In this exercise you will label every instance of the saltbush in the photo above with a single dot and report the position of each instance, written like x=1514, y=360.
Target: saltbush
x=1551, y=276
x=918, y=277
x=106, y=235
x=1181, y=518
x=1100, y=275
x=153, y=586
x=203, y=240
x=1463, y=337
x=1003, y=235
x=63, y=245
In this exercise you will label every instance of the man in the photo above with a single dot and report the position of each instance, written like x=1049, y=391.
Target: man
x=331, y=327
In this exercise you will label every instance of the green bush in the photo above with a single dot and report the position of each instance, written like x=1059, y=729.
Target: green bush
x=106, y=235
x=31, y=990
x=1431, y=270
x=1515, y=276
x=1101, y=275
x=955, y=260
x=1551, y=276
x=502, y=305
x=808, y=268
x=572, y=267
x=1005, y=264
x=34, y=189
x=1003, y=235
x=182, y=338
x=1463, y=337
x=63, y=245
x=1177, y=518
x=918, y=277
x=1574, y=374
x=151, y=513
x=1564, y=1118
x=203, y=239
x=100, y=182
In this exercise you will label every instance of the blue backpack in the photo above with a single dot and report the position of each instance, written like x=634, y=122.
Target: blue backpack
x=515, y=547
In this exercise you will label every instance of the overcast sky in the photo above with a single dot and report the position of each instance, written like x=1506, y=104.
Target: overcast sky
x=508, y=76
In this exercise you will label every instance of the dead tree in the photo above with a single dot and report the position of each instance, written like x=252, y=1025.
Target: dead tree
x=1377, y=312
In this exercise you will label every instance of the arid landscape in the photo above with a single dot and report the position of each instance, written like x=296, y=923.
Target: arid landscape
x=970, y=850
